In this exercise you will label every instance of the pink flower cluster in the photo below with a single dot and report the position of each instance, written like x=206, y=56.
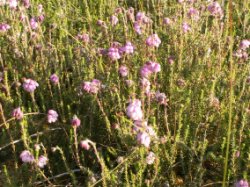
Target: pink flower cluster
x=4, y=27
x=17, y=113
x=193, y=13
x=54, y=79
x=134, y=110
x=153, y=41
x=75, y=122
x=241, y=52
x=123, y=70
x=116, y=50
x=144, y=133
x=30, y=85
x=149, y=68
x=52, y=116
x=85, y=144
x=215, y=10
x=83, y=37
x=27, y=157
x=92, y=87
x=242, y=183
x=141, y=21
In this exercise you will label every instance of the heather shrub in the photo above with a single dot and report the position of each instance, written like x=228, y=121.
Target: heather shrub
x=124, y=93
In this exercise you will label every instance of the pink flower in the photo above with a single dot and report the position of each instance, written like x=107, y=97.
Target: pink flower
x=145, y=85
x=42, y=161
x=92, y=87
x=26, y=3
x=2, y=2
x=26, y=157
x=150, y=158
x=33, y=23
x=215, y=10
x=40, y=18
x=137, y=27
x=52, y=116
x=149, y=68
x=140, y=16
x=85, y=144
x=129, y=83
x=4, y=27
x=114, y=20
x=167, y=21
x=193, y=13
x=83, y=37
x=114, y=54
x=54, y=79
x=143, y=139
x=13, y=4
x=242, y=183
x=30, y=85
x=134, y=110
x=123, y=70
x=17, y=113
x=186, y=27
x=153, y=41
x=75, y=122
x=161, y=98
x=128, y=48
x=244, y=44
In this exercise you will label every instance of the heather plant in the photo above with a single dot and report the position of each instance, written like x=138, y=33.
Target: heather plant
x=124, y=93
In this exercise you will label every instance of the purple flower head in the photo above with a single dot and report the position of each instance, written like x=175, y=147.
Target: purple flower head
x=134, y=110
x=17, y=113
x=161, y=98
x=186, y=27
x=114, y=54
x=215, y=10
x=12, y=4
x=143, y=138
x=101, y=23
x=113, y=20
x=52, y=116
x=54, y=79
x=128, y=48
x=83, y=37
x=92, y=87
x=145, y=85
x=26, y=3
x=75, y=122
x=33, y=23
x=149, y=68
x=167, y=21
x=85, y=144
x=40, y=18
x=30, y=85
x=244, y=44
x=153, y=41
x=193, y=13
x=137, y=27
x=27, y=157
x=123, y=70
x=145, y=71
x=129, y=83
x=130, y=14
x=42, y=161
x=171, y=60
x=150, y=158
x=4, y=27
x=140, y=16
x=242, y=183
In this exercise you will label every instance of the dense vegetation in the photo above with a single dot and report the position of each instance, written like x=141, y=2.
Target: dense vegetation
x=124, y=93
